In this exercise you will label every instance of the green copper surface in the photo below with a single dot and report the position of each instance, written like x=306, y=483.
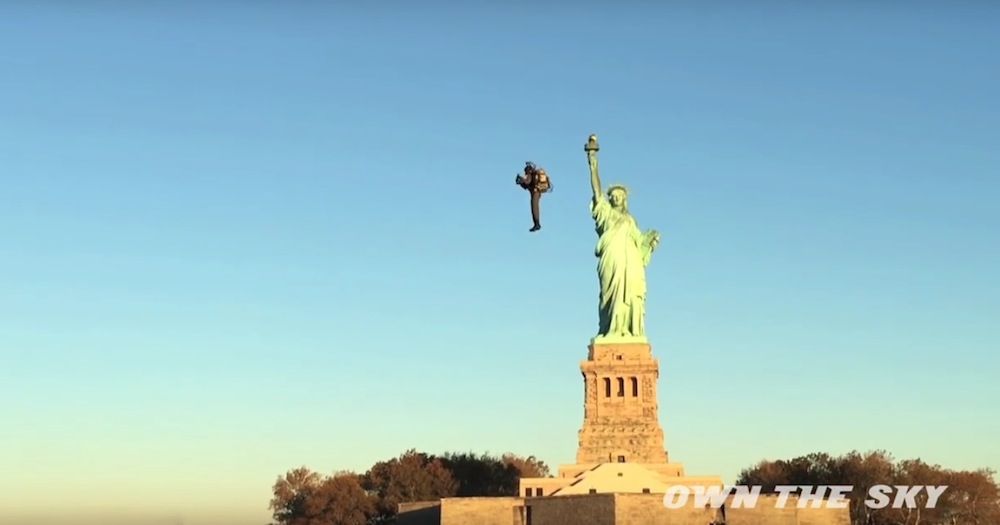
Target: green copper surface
x=622, y=251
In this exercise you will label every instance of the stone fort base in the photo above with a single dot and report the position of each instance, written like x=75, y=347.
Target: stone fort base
x=608, y=509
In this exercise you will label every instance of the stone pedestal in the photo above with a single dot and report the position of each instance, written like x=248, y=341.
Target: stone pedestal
x=621, y=422
x=621, y=443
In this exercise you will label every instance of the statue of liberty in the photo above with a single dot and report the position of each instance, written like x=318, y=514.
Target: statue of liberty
x=622, y=255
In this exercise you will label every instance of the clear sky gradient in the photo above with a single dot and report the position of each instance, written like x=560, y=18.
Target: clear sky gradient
x=243, y=237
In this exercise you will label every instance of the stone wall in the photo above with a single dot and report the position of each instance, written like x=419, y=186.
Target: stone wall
x=481, y=511
x=589, y=509
x=648, y=509
x=419, y=513
x=824, y=516
x=608, y=509
x=766, y=512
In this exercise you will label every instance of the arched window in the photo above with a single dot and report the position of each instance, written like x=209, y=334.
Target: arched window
x=607, y=387
x=635, y=387
x=621, y=387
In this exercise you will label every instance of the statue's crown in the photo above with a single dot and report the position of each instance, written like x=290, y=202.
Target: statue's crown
x=614, y=187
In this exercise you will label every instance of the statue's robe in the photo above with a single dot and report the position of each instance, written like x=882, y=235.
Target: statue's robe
x=621, y=269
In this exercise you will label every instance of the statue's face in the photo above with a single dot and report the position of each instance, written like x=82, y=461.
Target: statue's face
x=617, y=198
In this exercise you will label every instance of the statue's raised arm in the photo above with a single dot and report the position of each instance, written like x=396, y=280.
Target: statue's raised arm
x=595, y=179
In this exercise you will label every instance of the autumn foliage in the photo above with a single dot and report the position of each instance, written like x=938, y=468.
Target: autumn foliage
x=304, y=497
x=972, y=497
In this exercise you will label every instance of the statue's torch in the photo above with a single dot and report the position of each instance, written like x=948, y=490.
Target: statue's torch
x=591, y=148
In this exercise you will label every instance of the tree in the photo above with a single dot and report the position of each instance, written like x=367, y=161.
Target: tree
x=529, y=467
x=303, y=497
x=971, y=497
x=481, y=475
x=485, y=475
x=864, y=471
x=291, y=494
x=413, y=476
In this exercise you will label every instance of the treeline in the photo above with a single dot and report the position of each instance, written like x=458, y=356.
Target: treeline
x=304, y=497
x=972, y=497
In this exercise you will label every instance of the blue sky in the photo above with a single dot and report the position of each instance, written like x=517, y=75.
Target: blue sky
x=242, y=238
